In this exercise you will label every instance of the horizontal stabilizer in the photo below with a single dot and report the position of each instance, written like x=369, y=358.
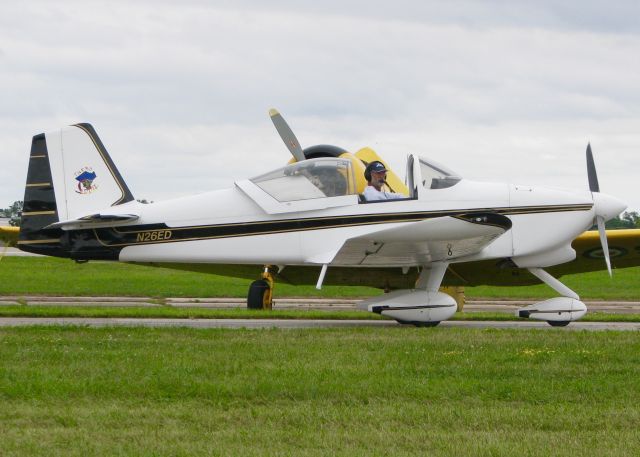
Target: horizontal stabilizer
x=94, y=220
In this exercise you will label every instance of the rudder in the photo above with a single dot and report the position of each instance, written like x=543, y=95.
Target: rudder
x=85, y=179
x=70, y=175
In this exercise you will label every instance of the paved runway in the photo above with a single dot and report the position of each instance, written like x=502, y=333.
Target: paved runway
x=298, y=323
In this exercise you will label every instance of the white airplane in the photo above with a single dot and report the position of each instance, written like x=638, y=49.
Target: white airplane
x=307, y=222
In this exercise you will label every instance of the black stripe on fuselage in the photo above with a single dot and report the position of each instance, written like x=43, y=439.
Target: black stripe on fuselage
x=161, y=233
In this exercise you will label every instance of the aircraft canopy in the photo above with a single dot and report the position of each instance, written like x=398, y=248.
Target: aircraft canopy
x=436, y=176
x=309, y=179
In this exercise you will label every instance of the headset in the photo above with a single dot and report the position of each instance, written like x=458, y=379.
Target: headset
x=367, y=171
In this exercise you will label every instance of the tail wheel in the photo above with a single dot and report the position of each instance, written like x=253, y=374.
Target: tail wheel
x=259, y=296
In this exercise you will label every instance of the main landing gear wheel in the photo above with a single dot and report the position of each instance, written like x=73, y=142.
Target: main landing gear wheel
x=259, y=296
x=419, y=324
x=558, y=323
x=427, y=324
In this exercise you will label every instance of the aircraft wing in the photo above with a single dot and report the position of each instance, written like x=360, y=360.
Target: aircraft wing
x=9, y=235
x=423, y=242
x=624, y=249
x=624, y=246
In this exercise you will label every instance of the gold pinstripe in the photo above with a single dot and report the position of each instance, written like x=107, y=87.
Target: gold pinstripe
x=524, y=210
x=38, y=213
x=445, y=213
x=52, y=240
x=213, y=237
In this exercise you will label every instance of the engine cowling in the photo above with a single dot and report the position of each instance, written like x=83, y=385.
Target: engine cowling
x=417, y=306
x=558, y=309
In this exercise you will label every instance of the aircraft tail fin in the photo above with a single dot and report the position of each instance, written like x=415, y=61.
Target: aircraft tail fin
x=70, y=175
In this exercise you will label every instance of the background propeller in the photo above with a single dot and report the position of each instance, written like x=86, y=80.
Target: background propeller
x=287, y=135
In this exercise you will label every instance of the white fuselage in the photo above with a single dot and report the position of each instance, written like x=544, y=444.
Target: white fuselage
x=545, y=221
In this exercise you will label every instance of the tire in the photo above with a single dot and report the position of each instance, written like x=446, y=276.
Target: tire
x=427, y=324
x=418, y=323
x=558, y=323
x=257, y=291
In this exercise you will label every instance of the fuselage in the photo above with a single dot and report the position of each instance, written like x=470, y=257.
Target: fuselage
x=227, y=226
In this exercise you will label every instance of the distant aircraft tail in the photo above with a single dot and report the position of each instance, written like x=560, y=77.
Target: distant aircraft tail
x=70, y=175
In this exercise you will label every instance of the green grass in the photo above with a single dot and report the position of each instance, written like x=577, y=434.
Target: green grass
x=597, y=285
x=181, y=313
x=51, y=276
x=243, y=313
x=398, y=391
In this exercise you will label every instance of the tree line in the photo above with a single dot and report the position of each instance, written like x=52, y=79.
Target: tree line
x=13, y=212
x=628, y=219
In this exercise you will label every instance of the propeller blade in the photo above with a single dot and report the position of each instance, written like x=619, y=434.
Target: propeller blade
x=603, y=242
x=591, y=171
x=287, y=135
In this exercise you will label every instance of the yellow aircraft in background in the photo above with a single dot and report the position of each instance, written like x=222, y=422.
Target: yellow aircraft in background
x=9, y=235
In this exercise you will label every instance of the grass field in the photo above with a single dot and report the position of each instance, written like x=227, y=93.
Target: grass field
x=73, y=391
x=169, y=312
x=180, y=313
x=84, y=392
x=50, y=276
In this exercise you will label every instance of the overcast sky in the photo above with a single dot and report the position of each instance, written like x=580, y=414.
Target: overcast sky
x=179, y=91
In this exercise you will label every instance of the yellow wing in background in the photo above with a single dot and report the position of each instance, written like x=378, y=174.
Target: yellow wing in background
x=9, y=235
x=624, y=249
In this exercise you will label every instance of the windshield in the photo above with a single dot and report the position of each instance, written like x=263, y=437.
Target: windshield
x=314, y=178
x=436, y=176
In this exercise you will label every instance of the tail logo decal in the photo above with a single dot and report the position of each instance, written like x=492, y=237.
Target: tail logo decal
x=85, y=178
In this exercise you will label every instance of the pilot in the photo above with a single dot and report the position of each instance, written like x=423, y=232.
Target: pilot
x=375, y=174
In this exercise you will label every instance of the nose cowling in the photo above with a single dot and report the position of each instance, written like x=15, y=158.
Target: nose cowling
x=606, y=206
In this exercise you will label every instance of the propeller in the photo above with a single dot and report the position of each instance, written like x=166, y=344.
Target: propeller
x=606, y=207
x=591, y=171
x=603, y=241
x=287, y=135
